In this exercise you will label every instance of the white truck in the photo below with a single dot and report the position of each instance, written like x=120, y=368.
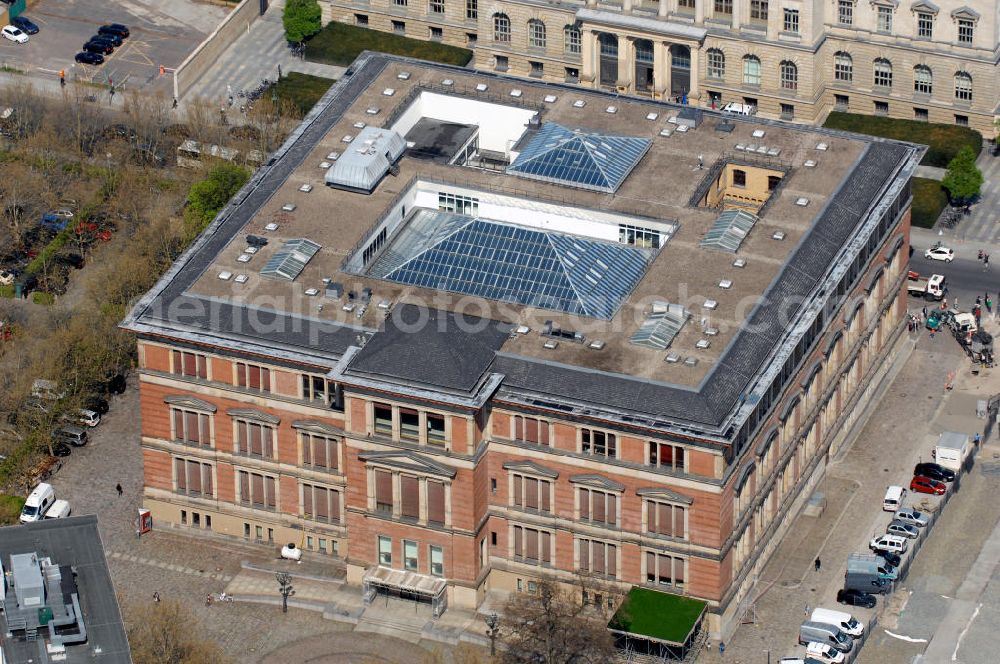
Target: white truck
x=951, y=450
x=930, y=288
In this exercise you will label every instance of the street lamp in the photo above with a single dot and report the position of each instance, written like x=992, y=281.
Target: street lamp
x=492, y=629
x=285, y=588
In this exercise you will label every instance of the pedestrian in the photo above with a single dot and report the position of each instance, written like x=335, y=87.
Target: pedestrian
x=807, y=610
x=118, y=488
x=956, y=304
x=980, y=256
x=175, y=102
x=229, y=90
x=156, y=596
x=979, y=300
x=989, y=303
x=817, y=564
x=923, y=313
x=986, y=261
x=112, y=93
x=279, y=72
x=722, y=648
x=978, y=439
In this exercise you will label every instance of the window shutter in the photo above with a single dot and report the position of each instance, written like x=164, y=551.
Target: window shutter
x=178, y=424
x=531, y=430
x=518, y=427
x=584, y=503
x=598, y=549
x=319, y=451
x=206, y=479
x=181, y=471
x=190, y=364
x=531, y=548
x=599, y=506
x=202, y=366
x=191, y=420
x=268, y=434
x=322, y=503
x=307, y=499
x=543, y=432
x=678, y=571
x=612, y=560
x=650, y=566
x=177, y=361
x=663, y=520
x=546, y=488
x=410, y=494
x=435, y=502
x=241, y=438
x=332, y=461
x=270, y=491
x=612, y=509
x=518, y=490
x=241, y=374
x=205, y=430
x=546, y=547
x=531, y=493
x=383, y=487
x=335, y=506
x=256, y=446
x=194, y=476
x=244, y=486
x=583, y=552
x=518, y=541
x=265, y=380
x=257, y=490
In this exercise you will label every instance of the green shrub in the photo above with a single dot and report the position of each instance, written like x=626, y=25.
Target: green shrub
x=929, y=198
x=41, y=297
x=207, y=197
x=7, y=291
x=301, y=19
x=339, y=44
x=10, y=509
x=302, y=90
x=943, y=141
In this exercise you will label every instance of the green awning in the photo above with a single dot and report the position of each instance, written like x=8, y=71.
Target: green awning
x=658, y=616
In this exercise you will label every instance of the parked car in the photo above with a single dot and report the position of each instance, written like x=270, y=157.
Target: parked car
x=893, y=559
x=97, y=404
x=902, y=529
x=102, y=40
x=7, y=277
x=103, y=48
x=114, y=29
x=14, y=34
x=824, y=653
x=24, y=24
x=939, y=253
x=109, y=37
x=71, y=434
x=88, y=418
x=935, y=471
x=922, y=484
x=88, y=58
x=912, y=517
x=892, y=543
x=856, y=598
x=61, y=449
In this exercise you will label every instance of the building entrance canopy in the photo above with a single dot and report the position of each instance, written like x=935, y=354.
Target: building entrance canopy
x=410, y=585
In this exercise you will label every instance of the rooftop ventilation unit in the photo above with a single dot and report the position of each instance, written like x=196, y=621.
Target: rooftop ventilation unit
x=241, y=278
x=662, y=325
x=482, y=87
x=403, y=75
x=802, y=201
x=726, y=284
x=448, y=82
x=690, y=361
x=822, y=147
x=652, y=116
x=597, y=344
x=288, y=207
x=729, y=230
x=740, y=262
x=333, y=156
x=522, y=329
x=516, y=93
x=758, y=133
x=611, y=109
x=809, y=163
x=373, y=110
x=552, y=329
x=579, y=103
x=359, y=125
x=550, y=99
x=289, y=261
x=363, y=167
x=388, y=92
x=272, y=226
x=672, y=358
x=778, y=235
x=690, y=118
x=306, y=188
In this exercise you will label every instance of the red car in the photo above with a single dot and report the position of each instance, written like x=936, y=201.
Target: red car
x=922, y=484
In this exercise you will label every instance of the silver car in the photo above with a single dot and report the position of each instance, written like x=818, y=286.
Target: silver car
x=912, y=517
x=902, y=529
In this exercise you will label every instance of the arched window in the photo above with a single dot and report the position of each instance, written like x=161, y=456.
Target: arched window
x=536, y=33
x=501, y=28
x=963, y=86
x=571, y=36
x=716, y=63
x=789, y=75
x=751, y=70
x=923, y=79
x=883, y=73
x=843, y=67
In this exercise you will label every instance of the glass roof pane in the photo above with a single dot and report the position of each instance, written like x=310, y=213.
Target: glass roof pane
x=729, y=230
x=659, y=330
x=289, y=261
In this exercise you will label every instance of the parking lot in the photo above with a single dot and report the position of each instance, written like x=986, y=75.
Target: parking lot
x=162, y=33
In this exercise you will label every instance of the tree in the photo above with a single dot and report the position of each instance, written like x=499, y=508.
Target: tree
x=209, y=196
x=164, y=632
x=551, y=627
x=963, y=179
x=302, y=19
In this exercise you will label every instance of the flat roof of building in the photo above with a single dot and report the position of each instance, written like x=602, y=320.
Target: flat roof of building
x=74, y=542
x=738, y=302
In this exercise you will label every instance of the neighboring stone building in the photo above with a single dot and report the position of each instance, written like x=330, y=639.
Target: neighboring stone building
x=794, y=60
x=552, y=334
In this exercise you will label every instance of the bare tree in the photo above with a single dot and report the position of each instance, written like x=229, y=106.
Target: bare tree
x=550, y=626
x=164, y=632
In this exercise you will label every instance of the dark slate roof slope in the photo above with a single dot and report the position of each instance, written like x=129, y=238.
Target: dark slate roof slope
x=431, y=347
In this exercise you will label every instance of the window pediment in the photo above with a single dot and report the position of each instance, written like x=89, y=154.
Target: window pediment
x=317, y=427
x=831, y=345
x=254, y=414
x=664, y=493
x=852, y=309
x=744, y=476
x=532, y=468
x=410, y=461
x=185, y=401
x=873, y=281
x=925, y=6
x=766, y=440
x=893, y=4
x=966, y=12
x=597, y=482
x=893, y=248
x=808, y=376
x=789, y=405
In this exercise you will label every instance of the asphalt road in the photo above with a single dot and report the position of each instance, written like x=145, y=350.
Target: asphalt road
x=966, y=276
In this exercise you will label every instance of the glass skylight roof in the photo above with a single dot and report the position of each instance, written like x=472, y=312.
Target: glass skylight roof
x=509, y=263
x=579, y=158
x=659, y=330
x=289, y=261
x=729, y=230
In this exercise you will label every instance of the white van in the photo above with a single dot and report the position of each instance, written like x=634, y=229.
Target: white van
x=38, y=503
x=845, y=621
x=737, y=108
x=893, y=498
x=60, y=510
x=890, y=543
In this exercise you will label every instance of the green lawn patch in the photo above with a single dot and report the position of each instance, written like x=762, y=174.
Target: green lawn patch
x=339, y=44
x=658, y=615
x=929, y=198
x=302, y=90
x=10, y=509
x=943, y=141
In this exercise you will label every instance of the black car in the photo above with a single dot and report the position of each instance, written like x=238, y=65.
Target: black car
x=856, y=598
x=114, y=29
x=104, y=48
x=24, y=25
x=100, y=39
x=109, y=37
x=889, y=557
x=61, y=449
x=88, y=58
x=934, y=471
x=97, y=404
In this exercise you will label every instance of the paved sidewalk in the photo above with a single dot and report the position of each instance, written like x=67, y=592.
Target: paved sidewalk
x=982, y=225
x=254, y=56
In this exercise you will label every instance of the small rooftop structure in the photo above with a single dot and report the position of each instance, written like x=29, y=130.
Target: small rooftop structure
x=289, y=261
x=660, y=328
x=729, y=230
x=579, y=158
x=362, y=166
x=657, y=623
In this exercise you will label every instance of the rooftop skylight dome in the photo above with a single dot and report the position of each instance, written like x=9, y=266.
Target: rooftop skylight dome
x=579, y=158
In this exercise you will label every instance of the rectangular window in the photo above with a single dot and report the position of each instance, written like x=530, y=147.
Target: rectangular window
x=399, y=27
x=791, y=23
x=965, y=31
x=437, y=560
x=471, y=38
x=409, y=495
x=193, y=365
x=921, y=114
x=598, y=443
x=190, y=427
x=532, y=493
x=313, y=388
x=739, y=177
x=192, y=477
x=885, y=19
x=320, y=452
x=409, y=424
x=436, y=34
x=639, y=236
x=925, y=25
x=253, y=377
x=320, y=503
x=437, y=6
x=665, y=518
x=435, y=502
x=383, y=418
x=724, y=7
x=467, y=205
x=399, y=3
x=435, y=429
x=383, y=492
x=531, y=430
x=410, y=561
x=962, y=120
x=596, y=557
x=598, y=506
x=532, y=545
x=664, y=570
x=322, y=545
x=501, y=62
x=471, y=10
x=254, y=439
x=787, y=112
x=196, y=519
x=258, y=491
x=665, y=455
x=537, y=69
x=758, y=10
x=845, y=12
x=881, y=108
x=361, y=19
x=385, y=550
